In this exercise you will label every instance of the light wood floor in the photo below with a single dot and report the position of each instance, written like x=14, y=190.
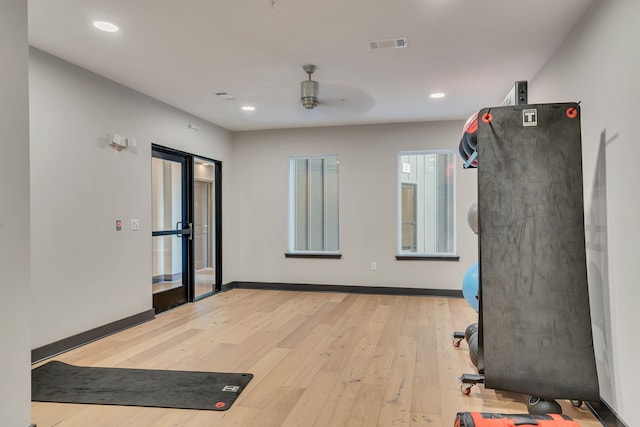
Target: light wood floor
x=318, y=359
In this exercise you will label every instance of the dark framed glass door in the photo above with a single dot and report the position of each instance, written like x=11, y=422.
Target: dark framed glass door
x=172, y=227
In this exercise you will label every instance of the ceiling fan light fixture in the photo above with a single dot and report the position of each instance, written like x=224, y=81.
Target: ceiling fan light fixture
x=309, y=89
x=309, y=94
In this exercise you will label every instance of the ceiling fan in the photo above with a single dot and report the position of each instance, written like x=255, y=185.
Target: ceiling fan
x=335, y=95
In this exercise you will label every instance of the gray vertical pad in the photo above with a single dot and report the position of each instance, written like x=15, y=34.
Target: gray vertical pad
x=535, y=320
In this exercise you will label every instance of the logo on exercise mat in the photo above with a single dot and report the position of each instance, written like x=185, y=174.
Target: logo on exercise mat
x=530, y=117
x=233, y=388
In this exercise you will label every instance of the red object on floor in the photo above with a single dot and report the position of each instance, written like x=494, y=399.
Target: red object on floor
x=481, y=419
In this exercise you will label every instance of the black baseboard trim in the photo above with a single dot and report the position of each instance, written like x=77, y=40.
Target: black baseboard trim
x=379, y=290
x=66, y=344
x=605, y=415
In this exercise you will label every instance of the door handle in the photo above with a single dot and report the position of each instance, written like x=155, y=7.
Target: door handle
x=189, y=230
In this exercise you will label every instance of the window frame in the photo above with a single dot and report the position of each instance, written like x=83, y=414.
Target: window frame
x=409, y=256
x=291, y=210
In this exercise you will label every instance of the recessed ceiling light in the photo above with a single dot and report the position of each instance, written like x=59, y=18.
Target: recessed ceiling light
x=436, y=95
x=106, y=26
x=248, y=108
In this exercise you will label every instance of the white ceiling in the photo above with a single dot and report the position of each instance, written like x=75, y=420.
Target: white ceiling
x=184, y=52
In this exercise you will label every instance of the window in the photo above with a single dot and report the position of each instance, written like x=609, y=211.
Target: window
x=313, y=205
x=426, y=209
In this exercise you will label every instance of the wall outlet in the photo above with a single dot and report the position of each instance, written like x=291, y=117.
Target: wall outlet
x=374, y=266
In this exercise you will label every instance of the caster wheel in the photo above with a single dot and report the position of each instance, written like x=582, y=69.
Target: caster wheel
x=538, y=406
x=465, y=389
x=576, y=403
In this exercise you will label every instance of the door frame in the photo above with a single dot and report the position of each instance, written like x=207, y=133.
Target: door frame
x=217, y=222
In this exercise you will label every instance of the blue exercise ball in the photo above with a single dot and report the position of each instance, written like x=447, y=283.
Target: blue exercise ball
x=470, y=286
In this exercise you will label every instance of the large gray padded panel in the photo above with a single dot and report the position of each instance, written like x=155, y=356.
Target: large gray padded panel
x=535, y=323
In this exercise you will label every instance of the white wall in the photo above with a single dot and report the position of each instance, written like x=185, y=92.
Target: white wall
x=84, y=273
x=599, y=65
x=15, y=387
x=368, y=205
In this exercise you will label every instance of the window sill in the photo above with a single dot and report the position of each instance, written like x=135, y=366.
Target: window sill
x=313, y=255
x=427, y=258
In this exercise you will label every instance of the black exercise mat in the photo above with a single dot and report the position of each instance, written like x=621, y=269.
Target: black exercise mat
x=535, y=323
x=59, y=382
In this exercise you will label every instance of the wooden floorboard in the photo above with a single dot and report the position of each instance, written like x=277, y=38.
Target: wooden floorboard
x=318, y=359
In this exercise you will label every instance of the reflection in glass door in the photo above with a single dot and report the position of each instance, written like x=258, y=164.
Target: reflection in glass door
x=172, y=229
x=409, y=219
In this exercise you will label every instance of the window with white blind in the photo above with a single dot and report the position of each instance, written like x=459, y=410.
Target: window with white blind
x=313, y=205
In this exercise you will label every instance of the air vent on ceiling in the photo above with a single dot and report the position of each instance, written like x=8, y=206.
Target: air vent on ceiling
x=225, y=95
x=389, y=43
